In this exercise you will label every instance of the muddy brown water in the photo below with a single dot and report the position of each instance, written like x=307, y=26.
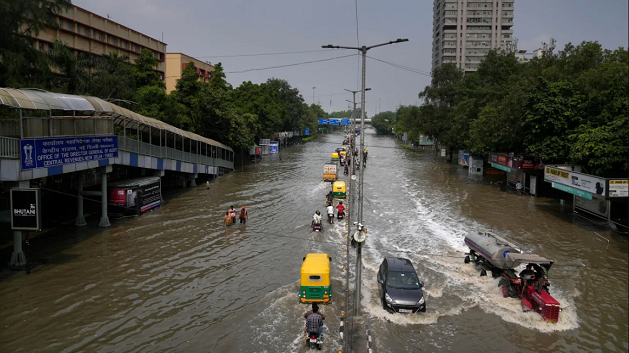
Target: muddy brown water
x=177, y=280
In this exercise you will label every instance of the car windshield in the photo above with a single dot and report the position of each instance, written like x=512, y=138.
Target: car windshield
x=403, y=280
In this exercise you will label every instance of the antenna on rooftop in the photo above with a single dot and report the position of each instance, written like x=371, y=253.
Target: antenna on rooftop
x=553, y=45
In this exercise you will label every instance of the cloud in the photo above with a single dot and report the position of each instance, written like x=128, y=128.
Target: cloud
x=531, y=44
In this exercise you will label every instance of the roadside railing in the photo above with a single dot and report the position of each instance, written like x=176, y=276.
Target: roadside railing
x=9, y=147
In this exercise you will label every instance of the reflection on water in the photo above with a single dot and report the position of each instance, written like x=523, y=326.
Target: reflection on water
x=178, y=280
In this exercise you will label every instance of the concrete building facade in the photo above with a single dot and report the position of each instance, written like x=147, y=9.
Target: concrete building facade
x=84, y=31
x=465, y=30
x=176, y=63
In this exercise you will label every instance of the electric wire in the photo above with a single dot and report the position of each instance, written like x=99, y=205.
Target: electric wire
x=263, y=54
x=420, y=72
x=288, y=65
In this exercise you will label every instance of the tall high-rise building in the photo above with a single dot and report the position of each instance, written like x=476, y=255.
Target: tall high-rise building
x=465, y=30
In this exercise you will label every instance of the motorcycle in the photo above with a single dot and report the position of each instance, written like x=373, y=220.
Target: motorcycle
x=346, y=171
x=340, y=215
x=331, y=218
x=317, y=227
x=311, y=341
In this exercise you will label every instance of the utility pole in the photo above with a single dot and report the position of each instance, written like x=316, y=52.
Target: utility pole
x=363, y=50
x=313, y=90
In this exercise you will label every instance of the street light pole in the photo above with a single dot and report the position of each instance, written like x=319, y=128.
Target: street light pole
x=313, y=90
x=363, y=50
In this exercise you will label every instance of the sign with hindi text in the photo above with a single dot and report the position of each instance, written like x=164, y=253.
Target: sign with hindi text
x=51, y=152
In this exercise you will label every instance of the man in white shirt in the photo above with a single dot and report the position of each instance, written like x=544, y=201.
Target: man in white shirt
x=330, y=210
x=518, y=187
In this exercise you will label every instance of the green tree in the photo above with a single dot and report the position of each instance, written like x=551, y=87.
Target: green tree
x=383, y=122
x=143, y=72
x=73, y=69
x=20, y=63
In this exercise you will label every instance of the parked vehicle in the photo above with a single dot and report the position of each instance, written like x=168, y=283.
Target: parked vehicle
x=399, y=286
x=329, y=172
x=339, y=189
x=134, y=196
x=335, y=157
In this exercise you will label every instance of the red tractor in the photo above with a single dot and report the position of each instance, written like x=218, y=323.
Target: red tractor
x=500, y=257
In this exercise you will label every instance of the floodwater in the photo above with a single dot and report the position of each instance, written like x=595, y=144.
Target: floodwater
x=178, y=280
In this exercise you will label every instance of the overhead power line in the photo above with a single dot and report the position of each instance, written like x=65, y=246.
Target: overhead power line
x=420, y=72
x=260, y=54
x=288, y=65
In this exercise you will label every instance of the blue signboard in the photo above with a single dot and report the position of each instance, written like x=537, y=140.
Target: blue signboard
x=323, y=121
x=51, y=152
x=273, y=147
x=334, y=121
x=345, y=121
x=307, y=132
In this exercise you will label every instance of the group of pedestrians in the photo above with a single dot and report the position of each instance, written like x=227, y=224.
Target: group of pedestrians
x=230, y=216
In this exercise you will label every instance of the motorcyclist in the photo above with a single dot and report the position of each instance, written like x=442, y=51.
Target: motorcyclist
x=346, y=169
x=329, y=197
x=341, y=210
x=330, y=210
x=314, y=324
x=365, y=156
x=316, y=219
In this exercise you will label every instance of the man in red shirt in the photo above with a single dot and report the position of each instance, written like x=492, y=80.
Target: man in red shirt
x=341, y=210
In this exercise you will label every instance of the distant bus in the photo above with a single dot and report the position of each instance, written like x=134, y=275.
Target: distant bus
x=134, y=196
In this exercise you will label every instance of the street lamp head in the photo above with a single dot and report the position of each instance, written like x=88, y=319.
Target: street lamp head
x=367, y=89
x=329, y=46
x=399, y=40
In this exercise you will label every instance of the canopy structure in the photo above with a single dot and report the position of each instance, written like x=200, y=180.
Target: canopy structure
x=513, y=260
x=36, y=99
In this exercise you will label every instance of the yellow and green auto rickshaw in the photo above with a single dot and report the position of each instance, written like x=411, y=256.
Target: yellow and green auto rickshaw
x=343, y=153
x=335, y=157
x=338, y=189
x=315, y=279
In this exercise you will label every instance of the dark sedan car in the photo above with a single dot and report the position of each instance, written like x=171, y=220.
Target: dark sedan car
x=400, y=289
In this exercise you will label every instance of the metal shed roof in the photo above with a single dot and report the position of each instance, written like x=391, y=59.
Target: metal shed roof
x=36, y=99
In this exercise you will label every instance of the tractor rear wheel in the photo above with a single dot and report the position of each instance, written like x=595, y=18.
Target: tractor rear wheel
x=504, y=287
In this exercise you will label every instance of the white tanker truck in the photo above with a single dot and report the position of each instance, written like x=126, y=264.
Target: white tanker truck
x=499, y=256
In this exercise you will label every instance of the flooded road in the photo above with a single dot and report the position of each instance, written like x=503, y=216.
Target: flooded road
x=178, y=280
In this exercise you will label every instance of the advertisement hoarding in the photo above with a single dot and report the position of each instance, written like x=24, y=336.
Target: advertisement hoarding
x=618, y=188
x=598, y=205
x=51, y=152
x=588, y=183
x=500, y=161
x=274, y=147
x=25, y=209
x=464, y=158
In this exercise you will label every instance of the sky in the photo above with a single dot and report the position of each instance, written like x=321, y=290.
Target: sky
x=209, y=29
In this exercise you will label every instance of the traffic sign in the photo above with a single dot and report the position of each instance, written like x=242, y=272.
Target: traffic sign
x=334, y=121
x=345, y=122
x=307, y=132
x=323, y=121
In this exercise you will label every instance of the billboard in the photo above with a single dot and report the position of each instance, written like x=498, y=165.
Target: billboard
x=618, y=188
x=274, y=147
x=590, y=184
x=335, y=121
x=500, y=161
x=51, y=152
x=323, y=121
x=464, y=158
x=25, y=209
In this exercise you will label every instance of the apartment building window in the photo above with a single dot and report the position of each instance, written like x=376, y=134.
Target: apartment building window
x=60, y=23
x=450, y=5
x=476, y=51
x=447, y=59
x=449, y=42
x=507, y=20
x=115, y=40
x=449, y=35
x=486, y=5
x=507, y=35
x=474, y=58
x=101, y=37
x=70, y=26
x=126, y=44
x=471, y=65
x=42, y=46
x=507, y=13
x=479, y=28
x=481, y=43
x=478, y=35
x=507, y=4
x=51, y=50
x=479, y=20
x=449, y=13
x=86, y=31
x=478, y=13
x=449, y=51
x=449, y=20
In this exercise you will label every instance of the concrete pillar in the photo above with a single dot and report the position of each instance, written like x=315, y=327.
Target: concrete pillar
x=80, y=218
x=104, y=219
x=17, y=257
x=193, y=181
